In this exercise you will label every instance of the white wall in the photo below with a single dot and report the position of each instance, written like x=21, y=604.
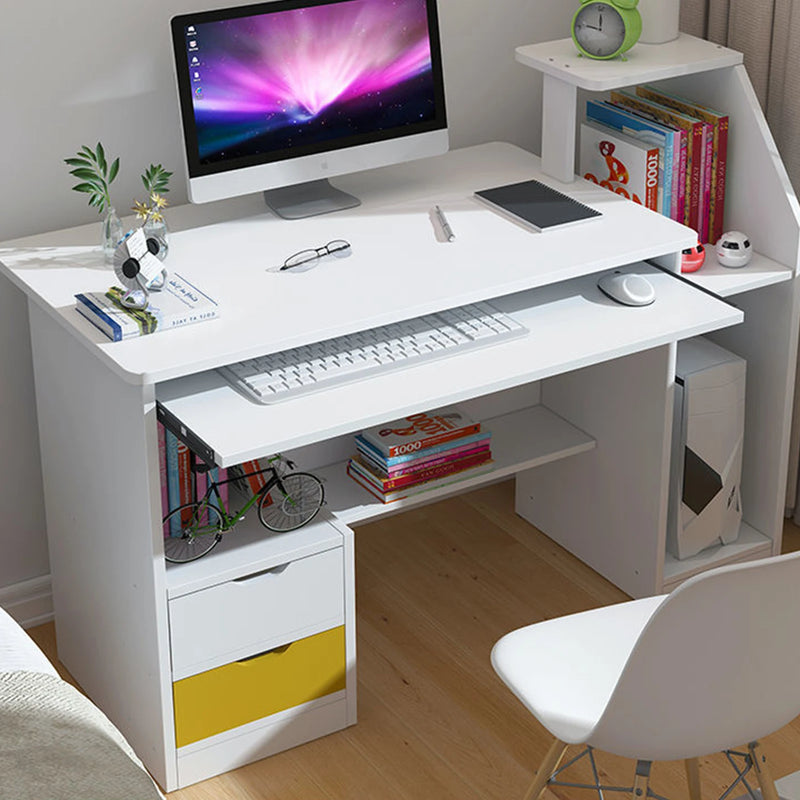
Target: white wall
x=81, y=71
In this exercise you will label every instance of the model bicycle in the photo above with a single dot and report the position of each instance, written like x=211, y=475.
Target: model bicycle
x=286, y=502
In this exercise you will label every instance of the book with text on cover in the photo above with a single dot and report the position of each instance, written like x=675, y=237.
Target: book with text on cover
x=536, y=205
x=178, y=303
x=652, y=132
x=417, y=431
x=623, y=164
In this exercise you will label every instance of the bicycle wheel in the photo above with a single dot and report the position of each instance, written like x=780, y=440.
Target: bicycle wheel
x=298, y=504
x=191, y=531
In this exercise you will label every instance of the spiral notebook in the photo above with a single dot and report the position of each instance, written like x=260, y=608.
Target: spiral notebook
x=537, y=205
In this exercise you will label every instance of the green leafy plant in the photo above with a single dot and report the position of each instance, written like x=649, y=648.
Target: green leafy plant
x=95, y=173
x=156, y=183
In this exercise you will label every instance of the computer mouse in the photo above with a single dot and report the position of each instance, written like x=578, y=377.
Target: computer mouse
x=627, y=288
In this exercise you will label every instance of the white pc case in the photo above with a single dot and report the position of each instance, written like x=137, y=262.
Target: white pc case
x=707, y=438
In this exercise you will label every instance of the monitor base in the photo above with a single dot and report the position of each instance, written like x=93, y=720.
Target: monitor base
x=308, y=199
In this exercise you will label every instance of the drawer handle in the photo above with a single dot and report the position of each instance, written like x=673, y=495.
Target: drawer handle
x=271, y=571
x=281, y=648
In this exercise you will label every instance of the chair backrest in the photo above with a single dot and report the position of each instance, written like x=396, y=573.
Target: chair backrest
x=716, y=667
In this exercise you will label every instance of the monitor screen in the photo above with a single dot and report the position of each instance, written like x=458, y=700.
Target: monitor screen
x=293, y=83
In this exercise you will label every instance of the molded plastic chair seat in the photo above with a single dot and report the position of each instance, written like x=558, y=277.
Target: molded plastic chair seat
x=710, y=667
x=578, y=661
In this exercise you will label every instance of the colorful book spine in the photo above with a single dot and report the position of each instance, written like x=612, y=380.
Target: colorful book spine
x=680, y=175
x=255, y=478
x=200, y=485
x=368, y=448
x=648, y=131
x=412, y=467
x=185, y=475
x=695, y=151
x=220, y=474
x=719, y=123
x=421, y=476
x=173, y=481
x=420, y=488
x=162, y=467
x=704, y=217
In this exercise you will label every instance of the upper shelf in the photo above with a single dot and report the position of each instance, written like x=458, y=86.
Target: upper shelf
x=645, y=62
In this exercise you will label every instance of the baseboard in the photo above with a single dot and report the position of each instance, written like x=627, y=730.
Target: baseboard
x=29, y=602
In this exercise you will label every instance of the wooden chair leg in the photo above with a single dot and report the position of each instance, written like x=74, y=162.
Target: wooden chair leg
x=641, y=781
x=693, y=777
x=546, y=769
x=765, y=782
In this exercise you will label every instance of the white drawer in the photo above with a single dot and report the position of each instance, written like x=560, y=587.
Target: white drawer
x=238, y=618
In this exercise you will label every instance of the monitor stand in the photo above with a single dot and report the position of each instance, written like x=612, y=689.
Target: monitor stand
x=308, y=199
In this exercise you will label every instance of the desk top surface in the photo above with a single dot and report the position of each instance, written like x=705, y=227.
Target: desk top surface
x=400, y=266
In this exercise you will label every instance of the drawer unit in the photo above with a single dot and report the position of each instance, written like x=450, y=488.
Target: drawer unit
x=251, y=689
x=256, y=612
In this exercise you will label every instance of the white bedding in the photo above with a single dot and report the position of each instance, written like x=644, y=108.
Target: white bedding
x=55, y=744
x=18, y=650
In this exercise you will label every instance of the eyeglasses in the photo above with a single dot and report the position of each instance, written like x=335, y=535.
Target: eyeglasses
x=338, y=247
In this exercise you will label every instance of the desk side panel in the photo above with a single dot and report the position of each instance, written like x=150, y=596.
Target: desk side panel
x=609, y=505
x=100, y=468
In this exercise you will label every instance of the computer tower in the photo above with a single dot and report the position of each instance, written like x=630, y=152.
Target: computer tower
x=707, y=439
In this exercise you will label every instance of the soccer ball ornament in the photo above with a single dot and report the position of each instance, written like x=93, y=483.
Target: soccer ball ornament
x=138, y=268
x=734, y=249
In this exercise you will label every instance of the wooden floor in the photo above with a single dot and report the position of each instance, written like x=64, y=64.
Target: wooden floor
x=436, y=587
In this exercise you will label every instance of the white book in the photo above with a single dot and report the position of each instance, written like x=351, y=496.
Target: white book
x=178, y=303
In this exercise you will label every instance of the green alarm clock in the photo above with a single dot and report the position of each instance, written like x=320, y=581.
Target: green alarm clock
x=605, y=29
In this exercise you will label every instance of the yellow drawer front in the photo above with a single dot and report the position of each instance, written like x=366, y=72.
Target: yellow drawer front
x=235, y=694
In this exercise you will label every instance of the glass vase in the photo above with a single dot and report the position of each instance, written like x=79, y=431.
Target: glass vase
x=111, y=234
x=158, y=229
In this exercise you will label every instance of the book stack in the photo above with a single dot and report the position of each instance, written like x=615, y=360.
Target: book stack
x=419, y=453
x=646, y=136
x=179, y=303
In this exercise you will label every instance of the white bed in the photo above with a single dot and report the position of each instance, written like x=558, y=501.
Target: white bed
x=55, y=744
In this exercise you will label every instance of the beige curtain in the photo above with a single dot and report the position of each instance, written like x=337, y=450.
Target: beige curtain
x=764, y=30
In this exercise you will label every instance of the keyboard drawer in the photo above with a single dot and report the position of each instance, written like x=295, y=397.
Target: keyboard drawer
x=245, y=691
x=237, y=618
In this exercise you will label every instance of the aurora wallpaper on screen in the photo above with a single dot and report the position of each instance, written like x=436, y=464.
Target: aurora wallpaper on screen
x=315, y=76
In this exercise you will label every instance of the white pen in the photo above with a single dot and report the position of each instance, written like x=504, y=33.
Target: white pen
x=448, y=231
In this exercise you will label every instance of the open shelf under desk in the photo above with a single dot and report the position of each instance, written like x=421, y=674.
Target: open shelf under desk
x=571, y=325
x=520, y=440
x=750, y=544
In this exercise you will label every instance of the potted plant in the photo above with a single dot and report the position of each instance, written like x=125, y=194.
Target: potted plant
x=156, y=183
x=96, y=175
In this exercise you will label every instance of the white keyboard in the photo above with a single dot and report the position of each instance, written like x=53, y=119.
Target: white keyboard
x=345, y=359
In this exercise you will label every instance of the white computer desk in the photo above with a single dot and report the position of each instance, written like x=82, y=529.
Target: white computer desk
x=591, y=382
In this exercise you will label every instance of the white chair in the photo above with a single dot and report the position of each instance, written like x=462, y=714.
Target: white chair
x=712, y=666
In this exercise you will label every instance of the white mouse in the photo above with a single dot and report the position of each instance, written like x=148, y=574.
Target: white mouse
x=627, y=288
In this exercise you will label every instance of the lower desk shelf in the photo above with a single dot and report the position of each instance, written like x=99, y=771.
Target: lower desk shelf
x=520, y=440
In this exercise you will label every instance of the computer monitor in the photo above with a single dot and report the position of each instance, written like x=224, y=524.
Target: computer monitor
x=281, y=95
